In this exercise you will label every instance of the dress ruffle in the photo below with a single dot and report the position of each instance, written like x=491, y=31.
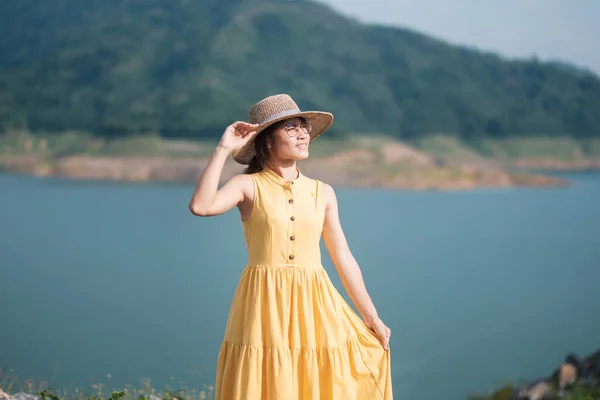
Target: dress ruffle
x=292, y=336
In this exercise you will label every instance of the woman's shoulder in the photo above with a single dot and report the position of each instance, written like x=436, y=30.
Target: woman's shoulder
x=242, y=181
x=241, y=178
x=322, y=186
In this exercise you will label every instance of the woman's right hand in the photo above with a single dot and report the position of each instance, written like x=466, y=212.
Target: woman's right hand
x=381, y=330
x=237, y=135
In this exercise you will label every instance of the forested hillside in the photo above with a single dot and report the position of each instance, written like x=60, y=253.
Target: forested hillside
x=187, y=68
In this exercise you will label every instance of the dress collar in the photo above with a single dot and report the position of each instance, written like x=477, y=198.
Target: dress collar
x=272, y=175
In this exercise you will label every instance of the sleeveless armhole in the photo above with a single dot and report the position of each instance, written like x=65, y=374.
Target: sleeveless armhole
x=321, y=204
x=321, y=201
x=254, y=200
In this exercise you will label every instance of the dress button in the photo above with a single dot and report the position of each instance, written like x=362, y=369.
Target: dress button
x=292, y=218
x=292, y=237
x=290, y=201
x=292, y=182
x=291, y=256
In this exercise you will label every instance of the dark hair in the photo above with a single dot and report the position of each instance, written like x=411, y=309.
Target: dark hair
x=261, y=151
x=261, y=156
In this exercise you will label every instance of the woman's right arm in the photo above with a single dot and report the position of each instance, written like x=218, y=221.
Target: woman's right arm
x=207, y=200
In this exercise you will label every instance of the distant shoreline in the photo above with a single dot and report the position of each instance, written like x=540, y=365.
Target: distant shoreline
x=330, y=170
x=362, y=161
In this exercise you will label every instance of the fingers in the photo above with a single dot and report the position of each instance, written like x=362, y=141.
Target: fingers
x=244, y=126
x=248, y=135
x=386, y=339
x=384, y=336
x=244, y=129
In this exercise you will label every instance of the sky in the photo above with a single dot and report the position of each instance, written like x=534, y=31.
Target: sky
x=564, y=30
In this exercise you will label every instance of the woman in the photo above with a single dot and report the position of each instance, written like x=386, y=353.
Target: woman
x=290, y=335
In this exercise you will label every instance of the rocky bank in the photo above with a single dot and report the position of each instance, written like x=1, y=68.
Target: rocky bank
x=395, y=168
x=576, y=378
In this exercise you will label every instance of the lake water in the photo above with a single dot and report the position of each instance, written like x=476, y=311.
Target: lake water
x=478, y=287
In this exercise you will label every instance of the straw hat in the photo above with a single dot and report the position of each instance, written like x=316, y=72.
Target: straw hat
x=277, y=108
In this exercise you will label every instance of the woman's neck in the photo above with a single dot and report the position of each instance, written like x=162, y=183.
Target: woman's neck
x=286, y=172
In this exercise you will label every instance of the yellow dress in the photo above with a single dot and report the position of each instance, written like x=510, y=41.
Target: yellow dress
x=290, y=335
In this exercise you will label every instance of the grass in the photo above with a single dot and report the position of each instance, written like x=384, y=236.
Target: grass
x=447, y=148
x=581, y=391
x=80, y=143
x=556, y=148
x=591, y=147
x=559, y=148
x=100, y=391
x=444, y=147
x=145, y=391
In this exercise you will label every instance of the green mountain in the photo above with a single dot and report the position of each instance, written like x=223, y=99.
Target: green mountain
x=190, y=67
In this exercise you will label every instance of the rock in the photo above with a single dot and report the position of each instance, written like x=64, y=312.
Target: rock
x=349, y=157
x=539, y=390
x=575, y=378
x=569, y=372
x=590, y=368
x=549, y=163
x=395, y=167
x=4, y=395
x=24, y=396
x=397, y=152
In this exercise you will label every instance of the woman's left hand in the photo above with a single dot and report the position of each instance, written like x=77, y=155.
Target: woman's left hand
x=382, y=331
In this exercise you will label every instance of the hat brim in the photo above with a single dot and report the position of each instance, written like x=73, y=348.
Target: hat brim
x=319, y=122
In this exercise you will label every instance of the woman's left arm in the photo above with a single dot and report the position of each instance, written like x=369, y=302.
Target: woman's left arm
x=348, y=268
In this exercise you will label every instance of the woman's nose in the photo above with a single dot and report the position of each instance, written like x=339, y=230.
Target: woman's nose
x=302, y=132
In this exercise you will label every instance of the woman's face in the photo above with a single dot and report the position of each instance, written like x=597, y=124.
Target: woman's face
x=290, y=140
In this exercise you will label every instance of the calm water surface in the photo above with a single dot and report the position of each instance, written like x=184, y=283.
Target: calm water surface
x=478, y=287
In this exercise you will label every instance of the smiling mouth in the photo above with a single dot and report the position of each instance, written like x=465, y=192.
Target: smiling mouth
x=302, y=145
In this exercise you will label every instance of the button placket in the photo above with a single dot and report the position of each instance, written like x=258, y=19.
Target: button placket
x=291, y=225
